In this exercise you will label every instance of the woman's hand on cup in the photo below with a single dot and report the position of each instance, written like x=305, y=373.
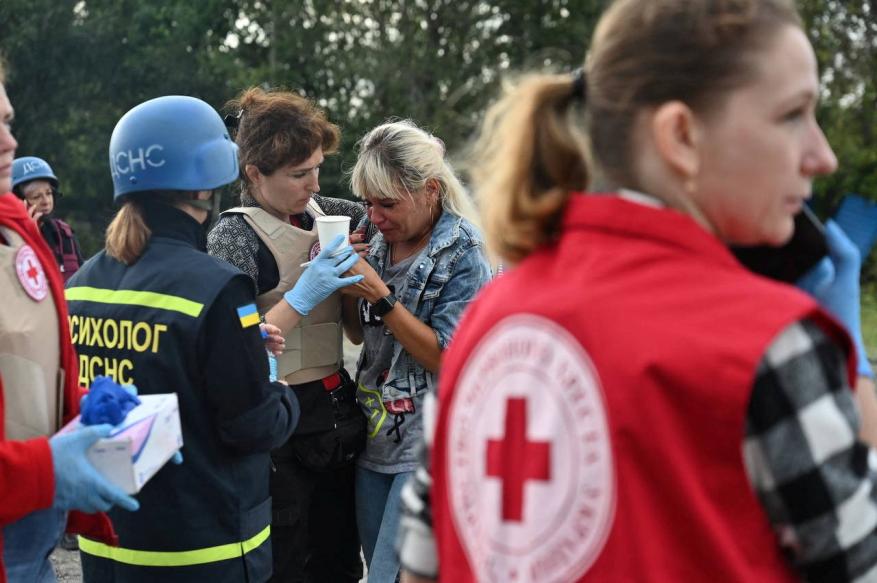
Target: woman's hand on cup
x=357, y=240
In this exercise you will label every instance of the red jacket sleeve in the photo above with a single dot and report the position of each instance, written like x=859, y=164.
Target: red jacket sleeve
x=27, y=481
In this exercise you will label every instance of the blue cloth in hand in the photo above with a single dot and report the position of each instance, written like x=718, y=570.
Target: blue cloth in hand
x=108, y=402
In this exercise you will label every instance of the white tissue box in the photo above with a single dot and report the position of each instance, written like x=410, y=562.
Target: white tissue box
x=140, y=445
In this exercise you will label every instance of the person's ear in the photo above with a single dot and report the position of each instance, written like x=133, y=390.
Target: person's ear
x=253, y=174
x=433, y=190
x=677, y=135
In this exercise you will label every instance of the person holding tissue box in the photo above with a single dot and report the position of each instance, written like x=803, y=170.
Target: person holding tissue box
x=41, y=478
x=154, y=310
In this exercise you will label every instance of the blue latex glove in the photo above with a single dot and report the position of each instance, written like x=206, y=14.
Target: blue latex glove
x=108, y=402
x=834, y=283
x=323, y=277
x=78, y=486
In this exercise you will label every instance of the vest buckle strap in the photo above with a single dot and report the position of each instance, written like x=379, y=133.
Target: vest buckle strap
x=332, y=382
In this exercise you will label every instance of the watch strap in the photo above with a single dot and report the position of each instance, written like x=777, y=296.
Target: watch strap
x=383, y=305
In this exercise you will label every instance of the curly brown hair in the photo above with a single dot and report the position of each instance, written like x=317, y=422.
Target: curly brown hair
x=277, y=128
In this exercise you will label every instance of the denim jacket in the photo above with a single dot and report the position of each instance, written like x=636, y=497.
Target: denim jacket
x=441, y=284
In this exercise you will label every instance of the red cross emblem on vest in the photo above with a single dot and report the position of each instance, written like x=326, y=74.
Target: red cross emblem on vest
x=515, y=460
x=530, y=475
x=30, y=273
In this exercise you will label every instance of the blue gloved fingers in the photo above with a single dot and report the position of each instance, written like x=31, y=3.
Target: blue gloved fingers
x=331, y=247
x=345, y=265
x=818, y=278
x=335, y=258
x=106, y=495
x=343, y=255
x=352, y=280
x=320, y=279
x=92, y=433
x=177, y=458
x=844, y=253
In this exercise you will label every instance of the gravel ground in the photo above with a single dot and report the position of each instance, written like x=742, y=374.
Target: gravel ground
x=66, y=563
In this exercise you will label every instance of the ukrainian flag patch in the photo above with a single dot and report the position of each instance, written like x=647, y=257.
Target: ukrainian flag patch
x=249, y=315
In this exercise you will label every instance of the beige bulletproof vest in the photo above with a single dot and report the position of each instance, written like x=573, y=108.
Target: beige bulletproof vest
x=314, y=347
x=33, y=382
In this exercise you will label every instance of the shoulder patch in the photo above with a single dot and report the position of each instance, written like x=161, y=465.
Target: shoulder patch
x=248, y=315
x=30, y=273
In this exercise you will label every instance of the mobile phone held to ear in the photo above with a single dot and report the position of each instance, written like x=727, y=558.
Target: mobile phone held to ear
x=791, y=261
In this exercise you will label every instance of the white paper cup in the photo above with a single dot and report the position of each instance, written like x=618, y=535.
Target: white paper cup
x=329, y=227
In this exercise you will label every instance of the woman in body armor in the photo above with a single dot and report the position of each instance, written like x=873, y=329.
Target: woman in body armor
x=283, y=139
x=154, y=309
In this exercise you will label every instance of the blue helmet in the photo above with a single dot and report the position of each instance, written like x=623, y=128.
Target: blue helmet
x=32, y=168
x=171, y=143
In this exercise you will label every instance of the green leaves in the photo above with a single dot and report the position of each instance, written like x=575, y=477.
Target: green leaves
x=78, y=65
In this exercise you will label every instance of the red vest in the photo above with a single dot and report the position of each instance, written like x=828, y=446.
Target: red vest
x=592, y=409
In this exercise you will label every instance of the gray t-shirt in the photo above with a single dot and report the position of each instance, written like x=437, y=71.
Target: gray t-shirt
x=394, y=429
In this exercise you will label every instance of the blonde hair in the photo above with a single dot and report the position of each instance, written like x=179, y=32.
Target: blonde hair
x=534, y=151
x=399, y=158
x=128, y=234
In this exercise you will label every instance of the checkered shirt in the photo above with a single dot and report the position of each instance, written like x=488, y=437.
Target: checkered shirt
x=813, y=476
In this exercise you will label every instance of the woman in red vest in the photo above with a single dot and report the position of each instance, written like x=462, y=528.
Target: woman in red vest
x=630, y=403
x=41, y=477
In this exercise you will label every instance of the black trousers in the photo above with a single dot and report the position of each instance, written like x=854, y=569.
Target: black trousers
x=313, y=531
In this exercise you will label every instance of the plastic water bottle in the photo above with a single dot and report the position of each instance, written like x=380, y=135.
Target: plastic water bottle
x=272, y=360
x=272, y=367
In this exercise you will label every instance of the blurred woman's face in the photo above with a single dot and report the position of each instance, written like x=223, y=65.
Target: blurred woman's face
x=408, y=218
x=39, y=194
x=761, y=151
x=288, y=189
x=7, y=142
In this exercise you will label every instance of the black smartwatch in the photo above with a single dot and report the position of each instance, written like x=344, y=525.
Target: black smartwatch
x=383, y=306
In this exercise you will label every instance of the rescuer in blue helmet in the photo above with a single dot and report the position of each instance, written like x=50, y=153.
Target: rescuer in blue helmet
x=153, y=309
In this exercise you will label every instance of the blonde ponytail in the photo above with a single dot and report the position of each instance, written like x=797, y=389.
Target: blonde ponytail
x=531, y=155
x=127, y=234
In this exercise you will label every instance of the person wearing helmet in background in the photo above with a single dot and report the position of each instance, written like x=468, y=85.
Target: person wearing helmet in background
x=155, y=310
x=41, y=477
x=35, y=183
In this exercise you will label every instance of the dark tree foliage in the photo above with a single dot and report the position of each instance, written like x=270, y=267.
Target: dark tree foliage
x=77, y=66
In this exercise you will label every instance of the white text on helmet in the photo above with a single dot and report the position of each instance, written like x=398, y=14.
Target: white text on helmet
x=128, y=160
x=32, y=167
